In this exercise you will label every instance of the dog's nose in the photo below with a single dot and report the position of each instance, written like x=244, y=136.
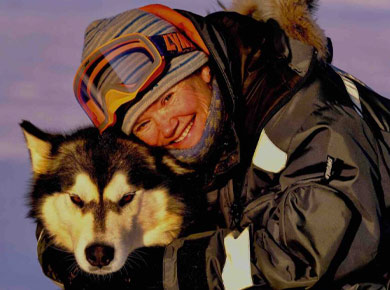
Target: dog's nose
x=99, y=255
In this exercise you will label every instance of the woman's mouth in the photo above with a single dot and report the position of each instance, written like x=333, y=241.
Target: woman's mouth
x=185, y=132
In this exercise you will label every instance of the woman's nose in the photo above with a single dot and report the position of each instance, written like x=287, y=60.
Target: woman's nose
x=168, y=125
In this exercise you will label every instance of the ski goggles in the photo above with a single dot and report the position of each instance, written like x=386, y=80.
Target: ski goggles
x=117, y=72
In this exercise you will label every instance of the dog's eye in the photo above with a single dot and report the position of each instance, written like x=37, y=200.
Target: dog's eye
x=127, y=198
x=76, y=200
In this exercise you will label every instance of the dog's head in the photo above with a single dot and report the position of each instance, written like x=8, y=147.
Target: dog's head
x=101, y=197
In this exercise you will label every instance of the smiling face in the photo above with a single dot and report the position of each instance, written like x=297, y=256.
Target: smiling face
x=177, y=119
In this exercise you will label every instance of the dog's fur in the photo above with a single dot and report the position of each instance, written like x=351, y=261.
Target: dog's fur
x=111, y=191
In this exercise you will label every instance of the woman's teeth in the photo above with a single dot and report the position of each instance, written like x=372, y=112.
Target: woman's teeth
x=185, y=133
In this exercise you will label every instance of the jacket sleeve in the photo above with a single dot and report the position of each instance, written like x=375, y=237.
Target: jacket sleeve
x=320, y=223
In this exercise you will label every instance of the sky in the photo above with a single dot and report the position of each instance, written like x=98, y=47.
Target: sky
x=40, y=50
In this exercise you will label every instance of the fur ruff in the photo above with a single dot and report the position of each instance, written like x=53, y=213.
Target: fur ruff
x=294, y=16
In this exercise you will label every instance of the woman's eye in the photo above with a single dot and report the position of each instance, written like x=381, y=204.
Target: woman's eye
x=141, y=126
x=127, y=198
x=76, y=200
x=166, y=99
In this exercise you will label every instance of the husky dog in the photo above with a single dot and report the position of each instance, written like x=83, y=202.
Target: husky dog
x=100, y=197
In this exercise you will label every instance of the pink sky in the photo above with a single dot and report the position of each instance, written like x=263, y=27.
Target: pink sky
x=40, y=51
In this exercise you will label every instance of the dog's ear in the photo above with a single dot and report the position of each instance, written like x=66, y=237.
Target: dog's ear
x=38, y=145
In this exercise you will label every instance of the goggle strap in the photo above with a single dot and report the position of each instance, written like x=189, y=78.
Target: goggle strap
x=179, y=21
x=172, y=44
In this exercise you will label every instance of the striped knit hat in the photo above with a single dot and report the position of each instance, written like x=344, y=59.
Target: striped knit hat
x=101, y=31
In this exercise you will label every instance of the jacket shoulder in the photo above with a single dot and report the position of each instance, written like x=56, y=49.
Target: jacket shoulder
x=371, y=106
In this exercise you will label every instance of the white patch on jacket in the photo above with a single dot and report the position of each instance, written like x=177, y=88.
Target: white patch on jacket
x=268, y=156
x=236, y=273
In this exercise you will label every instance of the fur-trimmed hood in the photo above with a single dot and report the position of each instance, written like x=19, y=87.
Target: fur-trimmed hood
x=294, y=16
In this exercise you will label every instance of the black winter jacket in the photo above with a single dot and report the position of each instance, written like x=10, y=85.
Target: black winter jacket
x=305, y=193
x=312, y=181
